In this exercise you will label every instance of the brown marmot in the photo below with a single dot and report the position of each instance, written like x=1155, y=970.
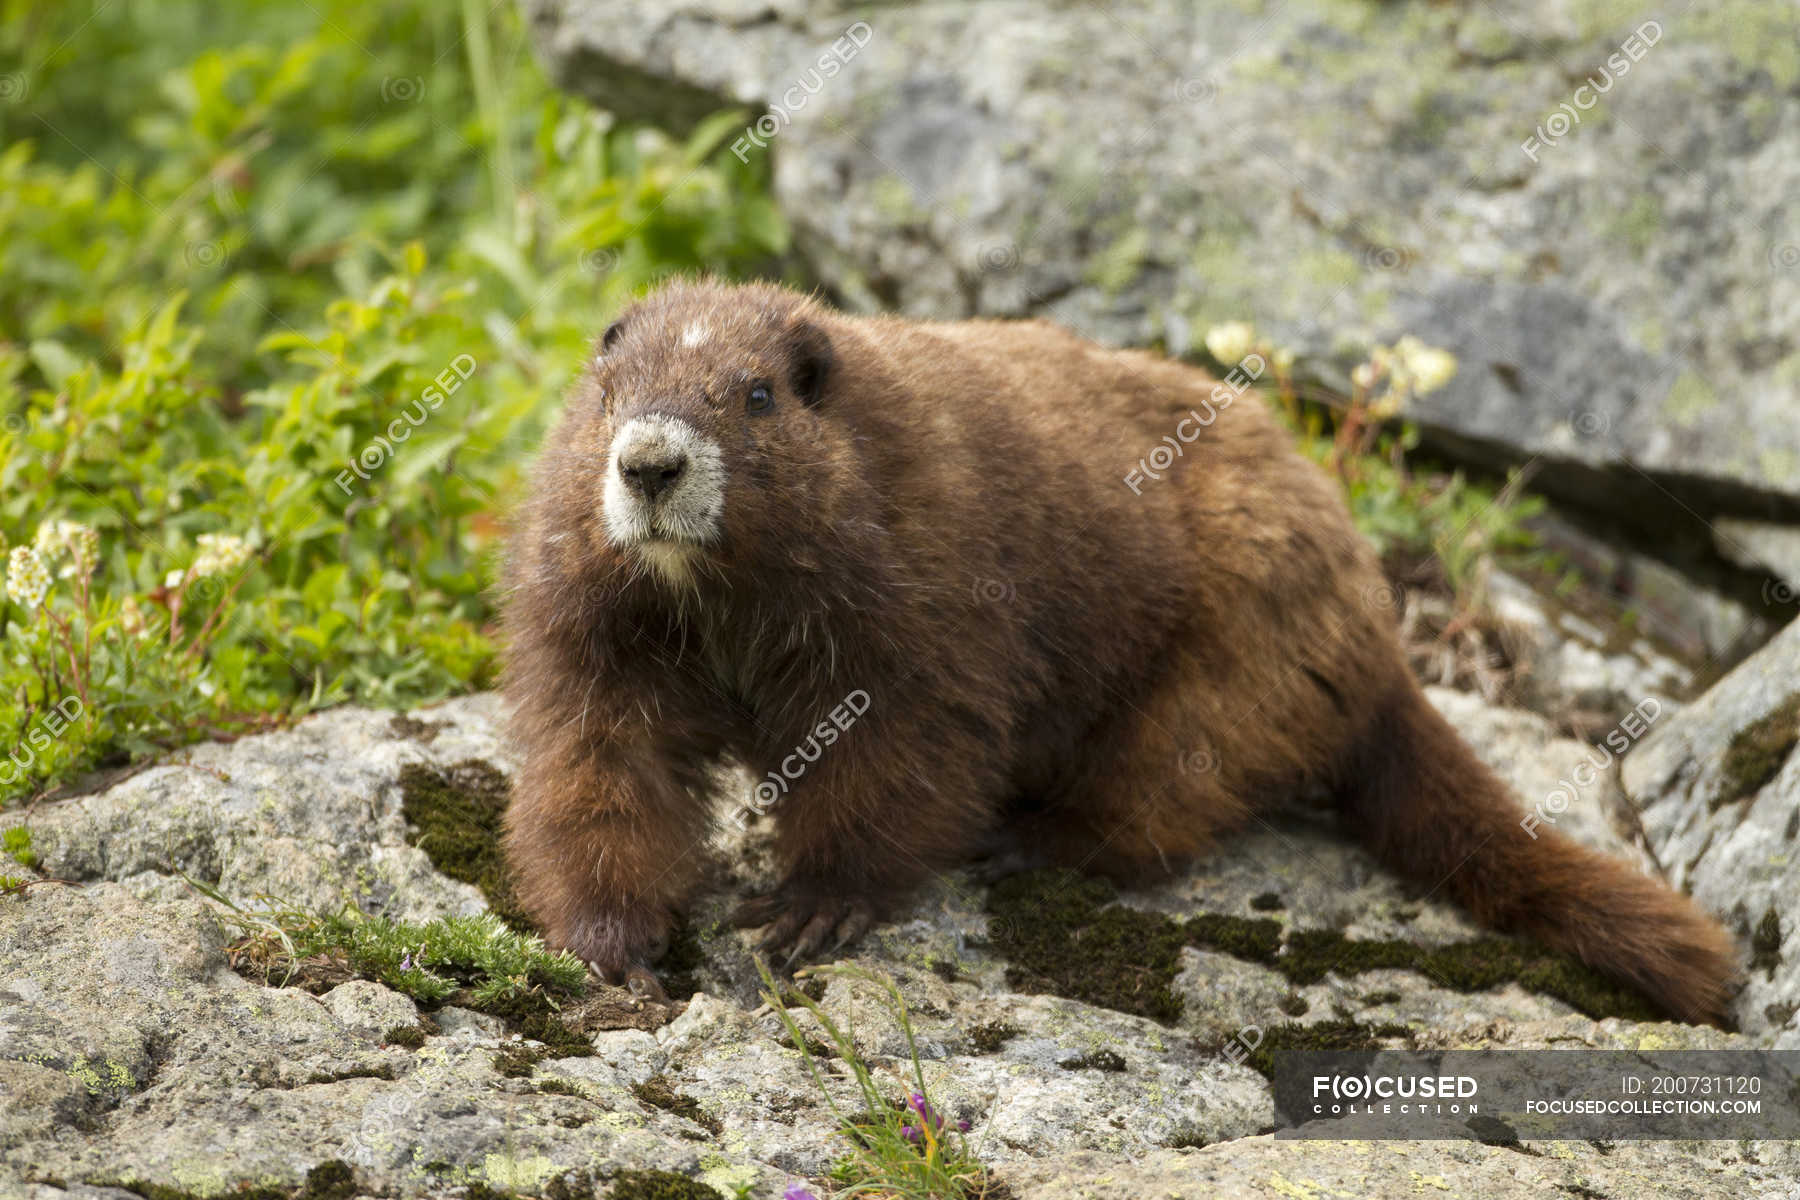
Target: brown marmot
x=756, y=510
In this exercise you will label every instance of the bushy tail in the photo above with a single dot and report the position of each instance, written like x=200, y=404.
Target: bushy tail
x=1428, y=808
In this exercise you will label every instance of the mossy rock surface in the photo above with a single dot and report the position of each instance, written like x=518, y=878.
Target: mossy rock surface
x=456, y=814
x=1066, y=934
x=1758, y=752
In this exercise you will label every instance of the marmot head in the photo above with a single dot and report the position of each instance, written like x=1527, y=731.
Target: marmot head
x=707, y=435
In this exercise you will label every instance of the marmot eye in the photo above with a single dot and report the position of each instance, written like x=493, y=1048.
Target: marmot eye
x=760, y=400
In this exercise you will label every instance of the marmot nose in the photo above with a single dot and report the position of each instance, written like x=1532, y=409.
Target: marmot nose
x=653, y=473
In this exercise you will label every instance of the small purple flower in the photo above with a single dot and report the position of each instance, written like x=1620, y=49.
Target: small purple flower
x=909, y=1133
x=962, y=1127
x=796, y=1192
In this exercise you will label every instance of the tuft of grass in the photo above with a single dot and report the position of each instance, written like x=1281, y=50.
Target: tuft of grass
x=899, y=1149
x=476, y=960
x=15, y=842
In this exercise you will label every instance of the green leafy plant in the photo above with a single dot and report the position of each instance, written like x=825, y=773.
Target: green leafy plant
x=303, y=282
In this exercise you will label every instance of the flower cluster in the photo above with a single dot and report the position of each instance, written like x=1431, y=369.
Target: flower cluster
x=220, y=554
x=930, y=1125
x=1232, y=342
x=27, y=581
x=70, y=540
x=69, y=547
x=1410, y=367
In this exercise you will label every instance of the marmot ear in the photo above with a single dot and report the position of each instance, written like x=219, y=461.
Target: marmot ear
x=611, y=335
x=809, y=358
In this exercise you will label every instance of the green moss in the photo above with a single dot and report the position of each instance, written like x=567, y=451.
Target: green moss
x=559, y=1087
x=379, y=1071
x=1267, y=902
x=517, y=1060
x=817, y=1047
x=1382, y=997
x=988, y=1037
x=1294, y=1004
x=484, y=1191
x=803, y=990
x=1322, y=1035
x=1473, y=966
x=1765, y=943
x=330, y=1180
x=1312, y=953
x=412, y=1037
x=1061, y=933
x=160, y=1191
x=1095, y=1060
x=408, y=728
x=660, y=1185
x=1253, y=941
x=455, y=816
x=1758, y=752
x=657, y=1092
x=532, y=1015
x=678, y=969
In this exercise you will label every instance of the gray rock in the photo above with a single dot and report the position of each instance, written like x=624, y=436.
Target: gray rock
x=132, y=1053
x=1569, y=669
x=311, y=818
x=1621, y=294
x=1758, y=544
x=1730, y=844
x=368, y=1009
x=1265, y=1167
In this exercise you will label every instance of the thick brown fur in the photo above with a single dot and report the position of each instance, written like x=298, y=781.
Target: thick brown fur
x=1125, y=670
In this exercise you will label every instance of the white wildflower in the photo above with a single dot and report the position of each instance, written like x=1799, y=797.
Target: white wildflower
x=27, y=582
x=1430, y=367
x=131, y=618
x=72, y=540
x=1231, y=342
x=220, y=554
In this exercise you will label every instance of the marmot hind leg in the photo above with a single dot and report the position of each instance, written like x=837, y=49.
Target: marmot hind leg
x=1151, y=791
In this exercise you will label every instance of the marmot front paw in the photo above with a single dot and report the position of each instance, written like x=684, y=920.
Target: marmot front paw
x=804, y=918
x=619, y=945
